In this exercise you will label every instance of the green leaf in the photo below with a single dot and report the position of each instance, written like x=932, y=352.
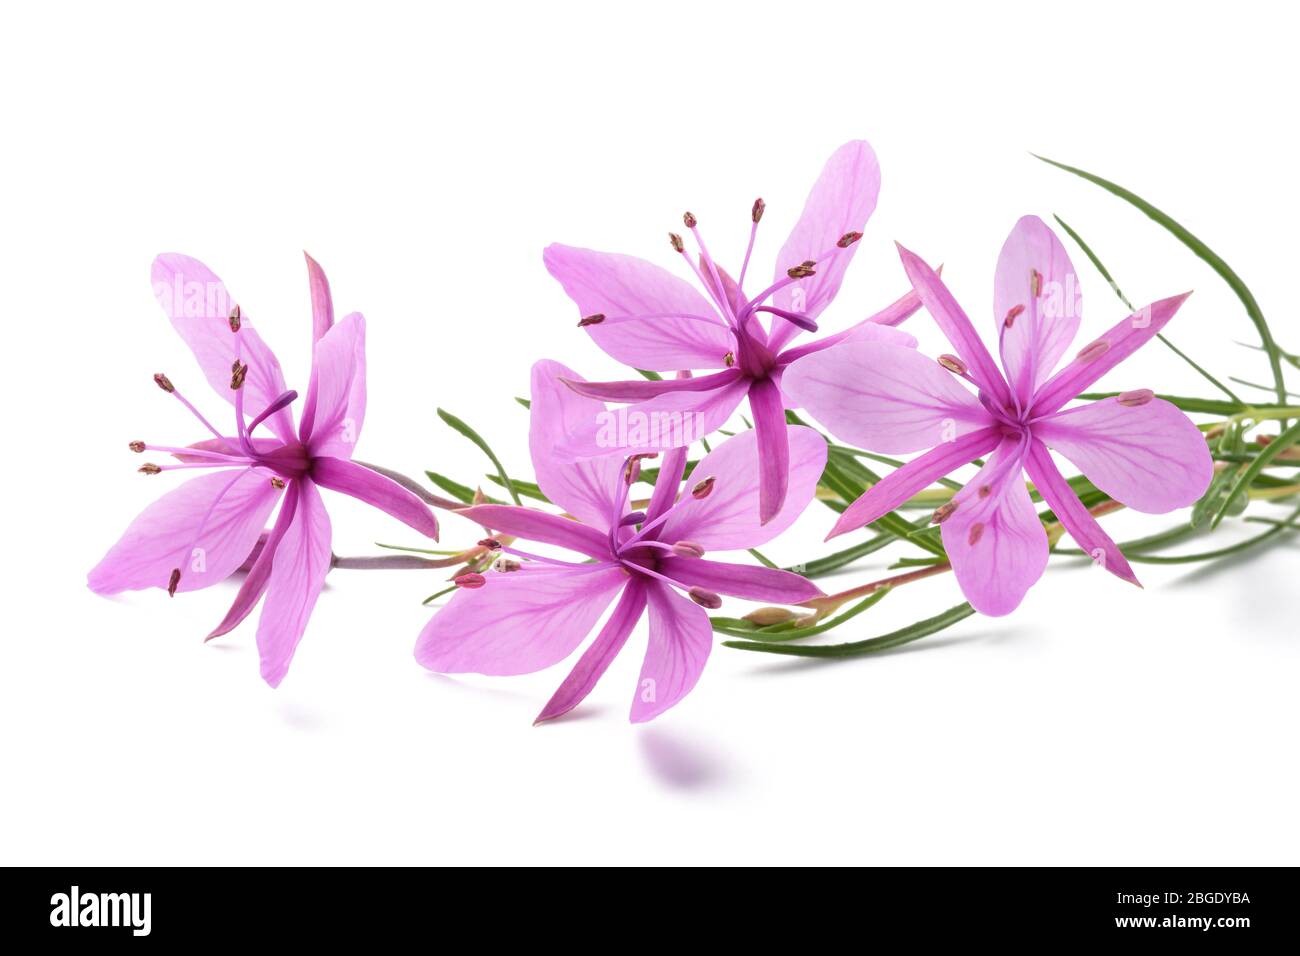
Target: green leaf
x=652, y=376
x=524, y=402
x=820, y=567
x=1272, y=532
x=454, y=488
x=872, y=645
x=1248, y=474
x=474, y=436
x=1207, y=255
x=1206, y=406
x=528, y=489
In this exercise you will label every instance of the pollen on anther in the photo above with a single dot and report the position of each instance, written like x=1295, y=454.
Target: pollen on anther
x=596, y=319
x=704, y=488
x=976, y=532
x=163, y=382
x=848, y=239
x=1035, y=283
x=149, y=468
x=236, y=319
x=676, y=240
x=802, y=271
x=690, y=220
x=136, y=446
x=757, y=212
x=277, y=483
x=237, y=377
x=173, y=582
x=943, y=512
x=953, y=364
x=729, y=359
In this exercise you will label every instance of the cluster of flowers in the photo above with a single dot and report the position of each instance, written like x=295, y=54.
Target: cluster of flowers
x=717, y=346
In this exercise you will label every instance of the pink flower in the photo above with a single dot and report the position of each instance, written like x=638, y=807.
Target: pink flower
x=203, y=531
x=647, y=318
x=537, y=610
x=1140, y=450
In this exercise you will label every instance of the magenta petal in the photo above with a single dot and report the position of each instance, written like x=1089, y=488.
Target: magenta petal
x=518, y=622
x=322, y=305
x=876, y=328
x=259, y=574
x=380, y=491
x=298, y=569
x=616, y=286
x=199, y=307
x=680, y=640
x=638, y=390
x=670, y=478
x=205, y=528
x=994, y=539
x=884, y=398
x=840, y=202
x=1150, y=457
x=585, y=489
x=1077, y=519
x=773, y=447
x=597, y=658
x=727, y=518
x=335, y=407
x=917, y=475
x=748, y=581
x=1101, y=355
x=539, y=526
x=956, y=327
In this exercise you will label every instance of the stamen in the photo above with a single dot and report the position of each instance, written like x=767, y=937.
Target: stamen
x=729, y=359
x=149, y=468
x=492, y=544
x=976, y=532
x=795, y=318
x=237, y=375
x=136, y=446
x=236, y=318
x=802, y=271
x=1136, y=398
x=676, y=240
x=704, y=488
x=943, y=512
x=705, y=599
x=631, y=519
x=688, y=217
x=596, y=319
x=756, y=213
x=1011, y=316
x=277, y=483
x=163, y=382
x=688, y=549
x=953, y=364
x=1093, y=351
x=631, y=470
x=1035, y=283
x=173, y=582
x=284, y=400
x=848, y=239
x=506, y=565
x=984, y=491
x=471, y=581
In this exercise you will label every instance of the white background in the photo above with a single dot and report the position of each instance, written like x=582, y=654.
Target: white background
x=425, y=156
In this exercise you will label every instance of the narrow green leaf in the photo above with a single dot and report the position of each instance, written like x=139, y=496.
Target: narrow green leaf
x=652, y=376
x=528, y=489
x=1248, y=474
x=872, y=645
x=765, y=562
x=524, y=402
x=474, y=436
x=1274, y=531
x=454, y=488
x=833, y=562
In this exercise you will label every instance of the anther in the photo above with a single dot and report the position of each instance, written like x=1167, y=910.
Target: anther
x=277, y=483
x=704, y=488
x=136, y=446
x=236, y=319
x=729, y=359
x=848, y=239
x=471, y=581
x=1136, y=398
x=596, y=319
x=631, y=519
x=631, y=470
x=237, y=376
x=689, y=219
x=492, y=544
x=757, y=212
x=676, y=240
x=953, y=364
x=1011, y=316
x=149, y=468
x=688, y=549
x=173, y=582
x=1093, y=351
x=976, y=532
x=505, y=565
x=705, y=598
x=985, y=490
x=163, y=382
x=1035, y=283
x=943, y=512
x=802, y=271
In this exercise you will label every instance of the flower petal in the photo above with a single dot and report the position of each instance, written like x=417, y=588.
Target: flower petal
x=259, y=567
x=335, y=407
x=1036, y=303
x=994, y=539
x=773, y=447
x=518, y=622
x=199, y=307
x=680, y=640
x=205, y=528
x=751, y=582
x=539, y=526
x=884, y=398
x=617, y=286
x=585, y=489
x=298, y=569
x=956, y=327
x=597, y=658
x=667, y=483
x=727, y=518
x=841, y=201
x=1070, y=511
x=1150, y=457
x=339, y=474
x=640, y=389
x=322, y=304
x=875, y=328
x=1100, y=356
x=917, y=475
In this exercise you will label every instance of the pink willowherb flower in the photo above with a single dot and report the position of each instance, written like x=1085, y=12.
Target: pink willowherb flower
x=1140, y=450
x=644, y=316
x=203, y=531
x=539, y=609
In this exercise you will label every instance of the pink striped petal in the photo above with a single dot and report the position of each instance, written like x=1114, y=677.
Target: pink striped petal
x=1101, y=355
x=518, y=622
x=750, y=582
x=1077, y=519
x=339, y=474
x=597, y=658
x=1036, y=304
x=884, y=398
x=637, y=390
x=322, y=305
x=298, y=569
x=205, y=528
x=876, y=328
x=1150, y=457
x=335, y=407
x=917, y=475
x=259, y=570
x=680, y=640
x=773, y=447
x=617, y=286
x=537, y=525
x=727, y=518
x=199, y=307
x=994, y=539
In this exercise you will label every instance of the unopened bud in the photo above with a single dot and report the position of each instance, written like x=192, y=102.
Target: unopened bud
x=479, y=497
x=767, y=616
x=163, y=382
x=757, y=212
x=703, y=488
